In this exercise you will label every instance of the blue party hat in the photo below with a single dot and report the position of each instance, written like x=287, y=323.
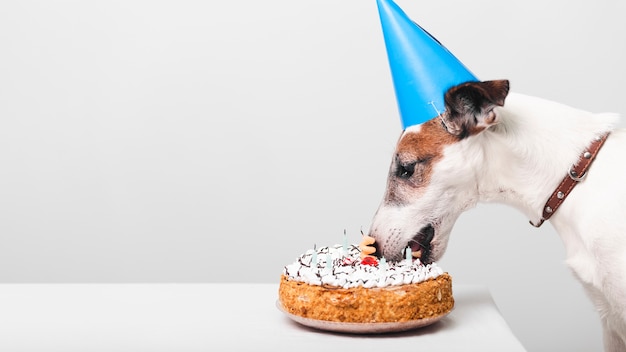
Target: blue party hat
x=422, y=69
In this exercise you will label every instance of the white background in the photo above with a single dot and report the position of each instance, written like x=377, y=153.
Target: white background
x=214, y=141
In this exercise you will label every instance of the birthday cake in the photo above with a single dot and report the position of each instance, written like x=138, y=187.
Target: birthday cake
x=347, y=284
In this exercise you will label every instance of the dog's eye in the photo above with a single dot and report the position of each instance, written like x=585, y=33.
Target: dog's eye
x=405, y=171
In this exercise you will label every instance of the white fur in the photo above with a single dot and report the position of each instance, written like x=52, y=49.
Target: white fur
x=520, y=161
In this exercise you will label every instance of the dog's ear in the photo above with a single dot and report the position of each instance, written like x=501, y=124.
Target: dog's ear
x=470, y=106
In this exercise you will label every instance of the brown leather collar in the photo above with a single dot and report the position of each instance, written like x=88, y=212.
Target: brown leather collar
x=575, y=174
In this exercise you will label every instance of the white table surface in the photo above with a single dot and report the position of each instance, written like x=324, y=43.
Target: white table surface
x=216, y=317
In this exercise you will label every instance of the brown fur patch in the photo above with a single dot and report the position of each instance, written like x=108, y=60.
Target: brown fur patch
x=425, y=149
x=428, y=142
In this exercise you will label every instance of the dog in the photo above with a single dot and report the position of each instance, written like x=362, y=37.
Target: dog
x=492, y=145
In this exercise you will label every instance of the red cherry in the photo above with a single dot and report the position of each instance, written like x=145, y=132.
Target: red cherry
x=369, y=261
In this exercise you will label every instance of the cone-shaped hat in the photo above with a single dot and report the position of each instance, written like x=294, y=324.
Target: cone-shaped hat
x=422, y=69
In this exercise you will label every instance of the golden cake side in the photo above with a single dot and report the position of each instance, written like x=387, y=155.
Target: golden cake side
x=399, y=303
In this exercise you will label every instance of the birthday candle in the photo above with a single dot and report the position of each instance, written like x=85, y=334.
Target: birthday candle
x=314, y=257
x=345, y=242
x=382, y=264
x=409, y=255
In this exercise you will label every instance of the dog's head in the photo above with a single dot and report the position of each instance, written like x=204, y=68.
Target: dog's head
x=434, y=171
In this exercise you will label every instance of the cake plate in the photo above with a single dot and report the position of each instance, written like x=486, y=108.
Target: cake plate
x=361, y=328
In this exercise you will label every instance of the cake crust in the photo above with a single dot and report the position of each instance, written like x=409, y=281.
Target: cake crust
x=427, y=299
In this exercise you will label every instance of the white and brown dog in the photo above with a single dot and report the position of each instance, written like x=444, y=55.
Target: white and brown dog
x=517, y=153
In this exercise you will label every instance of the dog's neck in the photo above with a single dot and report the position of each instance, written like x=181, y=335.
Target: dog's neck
x=529, y=151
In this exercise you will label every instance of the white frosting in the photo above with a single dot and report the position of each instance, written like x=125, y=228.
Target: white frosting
x=346, y=269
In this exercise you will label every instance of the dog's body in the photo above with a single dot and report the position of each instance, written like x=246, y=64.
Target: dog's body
x=481, y=149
